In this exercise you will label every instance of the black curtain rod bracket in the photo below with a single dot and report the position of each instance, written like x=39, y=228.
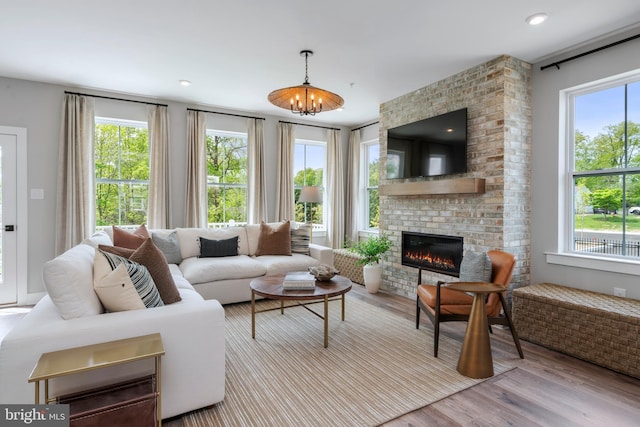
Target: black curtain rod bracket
x=225, y=114
x=115, y=99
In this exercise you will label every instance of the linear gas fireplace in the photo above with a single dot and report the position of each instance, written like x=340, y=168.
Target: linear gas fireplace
x=433, y=252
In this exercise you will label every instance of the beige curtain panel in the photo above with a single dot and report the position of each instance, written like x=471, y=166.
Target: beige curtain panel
x=75, y=205
x=158, y=213
x=335, y=190
x=352, y=187
x=196, y=196
x=256, y=185
x=285, y=204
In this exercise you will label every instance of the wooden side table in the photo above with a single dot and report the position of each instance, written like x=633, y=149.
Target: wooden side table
x=475, y=356
x=80, y=359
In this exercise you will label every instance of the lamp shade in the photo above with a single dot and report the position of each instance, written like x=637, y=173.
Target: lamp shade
x=310, y=195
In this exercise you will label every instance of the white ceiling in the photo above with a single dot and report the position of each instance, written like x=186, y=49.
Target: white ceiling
x=236, y=52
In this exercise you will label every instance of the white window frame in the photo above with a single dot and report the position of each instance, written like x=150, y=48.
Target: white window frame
x=319, y=229
x=565, y=255
x=363, y=197
x=123, y=123
x=230, y=223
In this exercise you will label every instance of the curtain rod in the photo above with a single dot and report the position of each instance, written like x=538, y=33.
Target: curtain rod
x=364, y=126
x=115, y=99
x=557, y=63
x=225, y=114
x=313, y=126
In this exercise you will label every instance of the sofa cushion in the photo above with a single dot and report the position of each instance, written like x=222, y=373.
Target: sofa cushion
x=116, y=290
x=475, y=267
x=202, y=270
x=189, y=239
x=274, y=240
x=138, y=273
x=278, y=264
x=169, y=246
x=210, y=248
x=152, y=258
x=68, y=279
x=127, y=239
x=98, y=238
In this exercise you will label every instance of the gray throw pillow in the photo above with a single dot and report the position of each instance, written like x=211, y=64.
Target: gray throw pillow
x=169, y=246
x=475, y=267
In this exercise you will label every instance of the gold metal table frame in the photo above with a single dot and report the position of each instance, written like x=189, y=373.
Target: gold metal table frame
x=81, y=359
x=475, y=359
x=270, y=287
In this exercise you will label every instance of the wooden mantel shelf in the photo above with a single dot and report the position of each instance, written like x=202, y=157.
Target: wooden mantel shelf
x=443, y=186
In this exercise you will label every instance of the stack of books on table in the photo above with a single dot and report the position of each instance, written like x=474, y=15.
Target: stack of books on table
x=298, y=281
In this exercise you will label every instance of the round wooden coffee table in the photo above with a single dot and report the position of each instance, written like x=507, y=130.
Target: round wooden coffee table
x=270, y=287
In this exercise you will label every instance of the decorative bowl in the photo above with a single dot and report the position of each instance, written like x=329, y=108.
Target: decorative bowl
x=323, y=272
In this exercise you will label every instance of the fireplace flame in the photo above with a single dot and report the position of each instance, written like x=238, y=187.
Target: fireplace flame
x=429, y=259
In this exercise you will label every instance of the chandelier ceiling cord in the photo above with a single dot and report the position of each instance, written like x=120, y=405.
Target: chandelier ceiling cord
x=305, y=99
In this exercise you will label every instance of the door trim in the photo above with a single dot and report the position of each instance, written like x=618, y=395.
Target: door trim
x=22, y=235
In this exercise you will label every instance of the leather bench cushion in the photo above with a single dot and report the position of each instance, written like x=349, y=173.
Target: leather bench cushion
x=278, y=264
x=202, y=270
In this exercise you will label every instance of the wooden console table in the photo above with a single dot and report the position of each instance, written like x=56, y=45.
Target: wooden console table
x=81, y=359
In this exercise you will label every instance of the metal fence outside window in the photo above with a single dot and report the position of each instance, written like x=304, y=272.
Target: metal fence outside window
x=608, y=246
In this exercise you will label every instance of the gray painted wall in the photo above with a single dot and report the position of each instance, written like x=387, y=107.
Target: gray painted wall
x=546, y=114
x=37, y=107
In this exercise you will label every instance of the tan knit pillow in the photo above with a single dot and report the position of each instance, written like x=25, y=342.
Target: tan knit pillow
x=274, y=241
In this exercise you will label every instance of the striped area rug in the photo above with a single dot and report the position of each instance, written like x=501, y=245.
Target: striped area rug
x=377, y=367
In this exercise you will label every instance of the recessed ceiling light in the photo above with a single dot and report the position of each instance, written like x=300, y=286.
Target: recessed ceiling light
x=536, y=19
x=185, y=82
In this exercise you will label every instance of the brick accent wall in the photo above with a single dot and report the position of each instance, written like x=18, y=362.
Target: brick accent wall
x=497, y=95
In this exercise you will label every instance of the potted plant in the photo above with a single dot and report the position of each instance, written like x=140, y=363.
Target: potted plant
x=370, y=252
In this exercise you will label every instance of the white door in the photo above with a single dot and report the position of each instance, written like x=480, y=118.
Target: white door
x=8, y=217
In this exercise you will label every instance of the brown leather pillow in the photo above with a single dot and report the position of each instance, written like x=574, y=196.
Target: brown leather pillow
x=151, y=257
x=132, y=240
x=274, y=241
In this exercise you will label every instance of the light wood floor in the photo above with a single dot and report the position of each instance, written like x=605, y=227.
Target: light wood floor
x=546, y=389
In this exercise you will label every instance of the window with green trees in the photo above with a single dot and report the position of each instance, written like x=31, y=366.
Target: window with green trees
x=606, y=169
x=226, y=177
x=372, y=174
x=308, y=170
x=121, y=160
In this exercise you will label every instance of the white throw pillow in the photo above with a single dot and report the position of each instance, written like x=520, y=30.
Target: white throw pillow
x=68, y=279
x=116, y=291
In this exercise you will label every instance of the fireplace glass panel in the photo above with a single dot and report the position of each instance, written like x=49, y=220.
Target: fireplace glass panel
x=433, y=252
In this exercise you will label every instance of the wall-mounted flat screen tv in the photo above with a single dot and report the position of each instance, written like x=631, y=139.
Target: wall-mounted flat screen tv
x=429, y=147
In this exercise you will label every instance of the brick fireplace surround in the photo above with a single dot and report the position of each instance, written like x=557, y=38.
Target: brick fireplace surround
x=497, y=95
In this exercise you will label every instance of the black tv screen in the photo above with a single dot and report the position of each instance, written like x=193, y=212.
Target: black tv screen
x=429, y=147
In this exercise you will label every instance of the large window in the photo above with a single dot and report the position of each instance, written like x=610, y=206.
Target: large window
x=371, y=163
x=226, y=178
x=605, y=168
x=308, y=170
x=121, y=156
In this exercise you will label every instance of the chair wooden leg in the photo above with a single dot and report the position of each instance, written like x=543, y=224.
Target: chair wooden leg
x=514, y=334
x=436, y=335
x=417, y=314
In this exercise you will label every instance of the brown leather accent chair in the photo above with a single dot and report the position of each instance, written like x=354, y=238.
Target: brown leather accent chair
x=446, y=305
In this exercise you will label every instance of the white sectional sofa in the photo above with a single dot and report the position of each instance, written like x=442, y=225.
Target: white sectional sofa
x=192, y=330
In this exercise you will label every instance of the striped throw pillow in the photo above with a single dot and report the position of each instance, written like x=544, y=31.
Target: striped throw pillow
x=300, y=239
